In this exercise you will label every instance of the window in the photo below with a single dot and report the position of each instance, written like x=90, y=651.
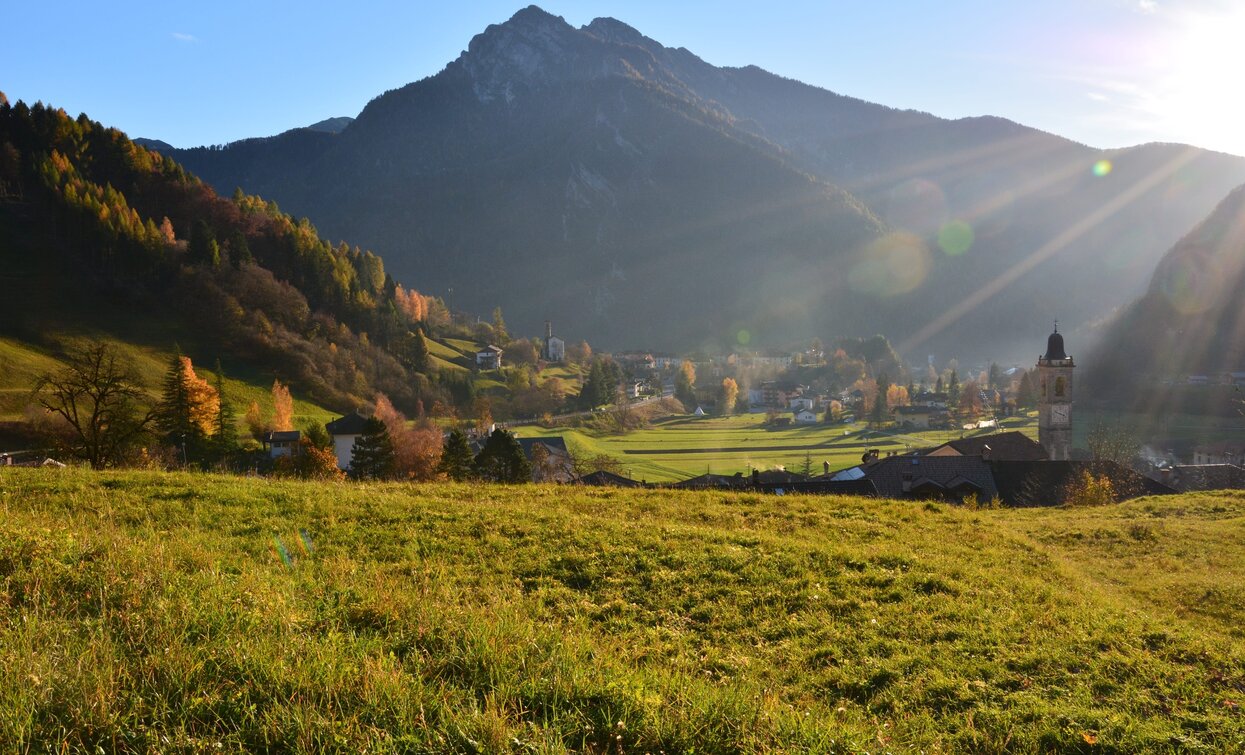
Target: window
x=1060, y=386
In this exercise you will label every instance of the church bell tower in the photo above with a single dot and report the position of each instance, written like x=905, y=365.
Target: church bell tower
x=1055, y=399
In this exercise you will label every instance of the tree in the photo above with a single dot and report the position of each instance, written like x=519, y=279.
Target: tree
x=685, y=385
x=225, y=430
x=255, y=421
x=1027, y=392
x=953, y=389
x=970, y=400
x=1112, y=443
x=502, y=459
x=995, y=377
x=457, y=461
x=373, y=456
x=99, y=400
x=203, y=249
x=282, y=407
x=500, y=334
x=834, y=410
x=417, y=450
x=730, y=392
x=188, y=409
x=586, y=465
x=880, y=414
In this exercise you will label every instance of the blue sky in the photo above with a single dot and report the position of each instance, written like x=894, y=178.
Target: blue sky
x=1105, y=72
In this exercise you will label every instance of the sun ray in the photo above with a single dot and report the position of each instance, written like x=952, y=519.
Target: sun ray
x=1046, y=251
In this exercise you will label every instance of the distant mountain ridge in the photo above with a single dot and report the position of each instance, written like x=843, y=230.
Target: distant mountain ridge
x=596, y=177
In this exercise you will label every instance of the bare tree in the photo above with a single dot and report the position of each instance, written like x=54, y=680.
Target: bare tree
x=99, y=399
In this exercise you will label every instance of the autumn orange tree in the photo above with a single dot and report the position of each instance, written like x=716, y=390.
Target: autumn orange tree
x=730, y=392
x=187, y=413
x=416, y=450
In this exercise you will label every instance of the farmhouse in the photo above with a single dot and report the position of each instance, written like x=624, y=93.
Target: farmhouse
x=489, y=358
x=549, y=457
x=920, y=417
x=805, y=416
x=1225, y=452
x=281, y=443
x=345, y=431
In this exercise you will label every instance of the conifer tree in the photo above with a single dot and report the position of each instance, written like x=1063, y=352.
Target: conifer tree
x=457, y=461
x=225, y=437
x=502, y=459
x=373, y=456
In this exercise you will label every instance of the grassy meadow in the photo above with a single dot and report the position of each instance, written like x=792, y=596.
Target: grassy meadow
x=676, y=448
x=185, y=613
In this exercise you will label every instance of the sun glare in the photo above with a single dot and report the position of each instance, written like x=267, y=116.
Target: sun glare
x=1201, y=94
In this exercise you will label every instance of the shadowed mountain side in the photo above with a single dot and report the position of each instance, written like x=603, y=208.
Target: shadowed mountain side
x=1190, y=321
x=596, y=176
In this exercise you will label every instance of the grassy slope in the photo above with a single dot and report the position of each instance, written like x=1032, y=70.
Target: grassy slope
x=143, y=610
x=21, y=364
x=682, y=447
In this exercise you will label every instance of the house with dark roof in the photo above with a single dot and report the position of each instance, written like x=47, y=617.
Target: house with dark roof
x=345, y=431
x=281, y=443
x=1010, y=446
x=939, y=477
x=602, y=478
x=714, y=481
x=1188, y=477
x=920, y=417
x=1014, y=482
x=552, y=462
x=489, y=358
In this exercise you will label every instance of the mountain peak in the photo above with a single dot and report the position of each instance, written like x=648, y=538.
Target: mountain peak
x=534, y=15
x=613, y=30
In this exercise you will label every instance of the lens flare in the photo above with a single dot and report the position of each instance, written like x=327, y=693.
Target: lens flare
x=955, y=238
x=278, y=549
x=304, y=540
x=1102, y=168
x=894, y=264
x=743, y=337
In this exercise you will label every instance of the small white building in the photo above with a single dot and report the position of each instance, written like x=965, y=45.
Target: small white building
x=805, y=416
x=345, y=431
x=489, y=358
x=800, y=402
x=554, y=349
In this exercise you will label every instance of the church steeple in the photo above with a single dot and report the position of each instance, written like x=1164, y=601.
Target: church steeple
x=1055, y=398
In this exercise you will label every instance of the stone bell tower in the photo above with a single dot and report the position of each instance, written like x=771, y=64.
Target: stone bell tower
x=1055, y=399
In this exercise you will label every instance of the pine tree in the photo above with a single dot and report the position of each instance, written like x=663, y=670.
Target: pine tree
x=225, y=437
x=419, y=351
x=457, y=461
x=373, y=456
x=500, y=334
x=203, y=249
x=173, y=415
x=502, y=459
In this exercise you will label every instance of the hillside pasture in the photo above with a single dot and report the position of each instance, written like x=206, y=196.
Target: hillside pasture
x=178, y=612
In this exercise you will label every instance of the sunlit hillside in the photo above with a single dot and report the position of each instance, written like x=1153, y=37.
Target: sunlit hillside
x=144, y=611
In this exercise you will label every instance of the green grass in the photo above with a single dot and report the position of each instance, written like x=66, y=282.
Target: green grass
x=175, y=612
x=21, y=364
x=680, y=447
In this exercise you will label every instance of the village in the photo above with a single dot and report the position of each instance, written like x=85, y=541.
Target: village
x=935, y=438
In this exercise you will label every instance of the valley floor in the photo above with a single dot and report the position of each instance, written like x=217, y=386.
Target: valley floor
x=146, y=611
